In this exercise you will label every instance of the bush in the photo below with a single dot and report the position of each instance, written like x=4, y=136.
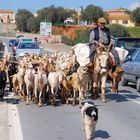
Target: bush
x=118, y=30
x=134, y=31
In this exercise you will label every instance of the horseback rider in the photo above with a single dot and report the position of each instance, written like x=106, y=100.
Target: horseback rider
x=101, y=34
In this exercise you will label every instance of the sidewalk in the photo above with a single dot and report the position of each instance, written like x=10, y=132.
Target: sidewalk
x=4, y=130
x=10, y=128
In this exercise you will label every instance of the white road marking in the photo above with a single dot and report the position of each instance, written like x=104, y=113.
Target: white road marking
x=15, y=132
x=130, y=99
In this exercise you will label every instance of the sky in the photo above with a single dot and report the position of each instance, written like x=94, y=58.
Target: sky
x=34, y=5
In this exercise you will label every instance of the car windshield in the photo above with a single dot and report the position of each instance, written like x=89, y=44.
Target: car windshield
x=30, y=45
x=129, y=43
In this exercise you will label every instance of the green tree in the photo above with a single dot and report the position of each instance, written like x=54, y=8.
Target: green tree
x=56, y=15
x=22, y=17
x=91, y=13
x=33, y=24
x=117, y=30
x=136, y=15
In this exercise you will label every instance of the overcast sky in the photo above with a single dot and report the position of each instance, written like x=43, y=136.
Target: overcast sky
x=34, y=5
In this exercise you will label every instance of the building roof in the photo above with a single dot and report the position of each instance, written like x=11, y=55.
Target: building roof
x=118, y=10
x=6, y=11
x=121, y=17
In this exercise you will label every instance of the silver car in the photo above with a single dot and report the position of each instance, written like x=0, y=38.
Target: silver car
x=132, y=70
x=28, y=47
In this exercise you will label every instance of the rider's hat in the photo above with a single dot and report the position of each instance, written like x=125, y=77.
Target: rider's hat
x=101, y=20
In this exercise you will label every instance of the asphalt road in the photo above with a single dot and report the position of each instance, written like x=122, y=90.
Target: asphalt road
x=118, y=119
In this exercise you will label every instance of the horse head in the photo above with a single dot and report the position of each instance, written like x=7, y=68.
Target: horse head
x=102, y=59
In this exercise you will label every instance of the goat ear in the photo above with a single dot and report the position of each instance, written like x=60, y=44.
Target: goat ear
x=110, y=47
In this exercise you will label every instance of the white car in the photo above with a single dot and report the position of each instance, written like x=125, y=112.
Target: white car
x=28, y=46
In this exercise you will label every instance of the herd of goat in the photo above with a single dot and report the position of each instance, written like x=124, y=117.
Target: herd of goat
x=38, y=78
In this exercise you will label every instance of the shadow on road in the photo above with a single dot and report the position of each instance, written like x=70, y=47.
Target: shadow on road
x=119, y=98
x=9, y=98
x=102, y=134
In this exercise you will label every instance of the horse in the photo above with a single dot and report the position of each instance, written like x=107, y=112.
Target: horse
x=118, y=72
x=100, y=68
x=116, y=78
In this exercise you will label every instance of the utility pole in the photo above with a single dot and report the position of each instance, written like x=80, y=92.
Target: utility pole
x=45, y=15
x=0, y=26
x=8, y=21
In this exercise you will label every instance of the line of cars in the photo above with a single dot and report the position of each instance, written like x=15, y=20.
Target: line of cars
x=131, y=64
x=24, y=45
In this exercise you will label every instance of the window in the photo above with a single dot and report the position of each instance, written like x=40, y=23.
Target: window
x=128, y=43
x=125, y=22
x=110, y=22
x=137, y=59
x=28, y=46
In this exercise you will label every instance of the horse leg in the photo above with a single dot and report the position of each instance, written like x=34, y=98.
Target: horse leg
x=114, y=85
x=95, y=87
x=66, y=98
x=103, y=89
x=28, y=92
x=40, y=98
x=74, y=98
x=36, y=97
x=81, y=93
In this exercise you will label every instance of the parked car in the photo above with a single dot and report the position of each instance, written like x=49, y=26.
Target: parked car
x=27, y=46
x=11, y=42
x=132, y=70
x=128, y=43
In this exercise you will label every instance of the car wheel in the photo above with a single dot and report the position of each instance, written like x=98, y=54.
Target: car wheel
x=138, y=85
x=124, y=82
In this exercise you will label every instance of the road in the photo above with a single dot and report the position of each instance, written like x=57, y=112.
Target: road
x=118, y=119
x=5, y=40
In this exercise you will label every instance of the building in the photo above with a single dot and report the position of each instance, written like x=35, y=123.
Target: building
x=120, y=16
x=7, y=16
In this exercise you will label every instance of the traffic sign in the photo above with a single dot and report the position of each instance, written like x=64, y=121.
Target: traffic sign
x=45, y=29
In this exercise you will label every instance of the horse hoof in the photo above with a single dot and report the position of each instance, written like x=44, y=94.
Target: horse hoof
x=114, y=91
x=39, y=105
x=104, y=100
x=80, y=106
x=67, y=103
x=73, y=104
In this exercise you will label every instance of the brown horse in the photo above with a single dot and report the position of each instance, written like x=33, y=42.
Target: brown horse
x=116, y=78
